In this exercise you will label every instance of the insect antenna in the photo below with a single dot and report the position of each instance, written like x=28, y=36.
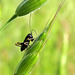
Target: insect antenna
x=34, y=31
x=30, y=23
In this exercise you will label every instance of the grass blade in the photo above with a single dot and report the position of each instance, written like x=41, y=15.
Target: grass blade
x=25, y=7
x=12, y=18
x=26, y=65
x=28, y=6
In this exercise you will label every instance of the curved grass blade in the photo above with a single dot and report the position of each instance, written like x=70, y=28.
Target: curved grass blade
x=35, y=48
x=28, y=6
x=26, y=65
x=25, y=7
x=13, y=17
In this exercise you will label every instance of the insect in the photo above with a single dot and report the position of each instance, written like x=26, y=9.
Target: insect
x=27, y=39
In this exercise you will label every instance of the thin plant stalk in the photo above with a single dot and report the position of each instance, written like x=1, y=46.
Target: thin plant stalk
x=63, y=59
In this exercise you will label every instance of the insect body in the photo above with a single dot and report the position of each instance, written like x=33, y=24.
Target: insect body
x=27, y=39
x=26, y=42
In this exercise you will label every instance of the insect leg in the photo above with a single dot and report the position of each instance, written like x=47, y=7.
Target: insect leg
x=30, y=39
x=26, y=43
x=18, y=44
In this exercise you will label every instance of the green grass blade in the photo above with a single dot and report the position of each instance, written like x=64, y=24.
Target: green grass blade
x=26, y=65
x=28, y=6
x=12, y=18
x=63, y=60
x=25, y=7
x=35, y=48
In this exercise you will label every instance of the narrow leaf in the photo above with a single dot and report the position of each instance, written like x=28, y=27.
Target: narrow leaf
x=26, y=65
x=13, y=17
x=28, y=6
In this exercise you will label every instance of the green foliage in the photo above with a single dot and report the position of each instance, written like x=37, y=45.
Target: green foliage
x=53, y=51
x=30, y=56
x=26, y=7
x=26, y=64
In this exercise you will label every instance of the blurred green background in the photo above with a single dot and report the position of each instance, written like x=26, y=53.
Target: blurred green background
x=57, y=56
